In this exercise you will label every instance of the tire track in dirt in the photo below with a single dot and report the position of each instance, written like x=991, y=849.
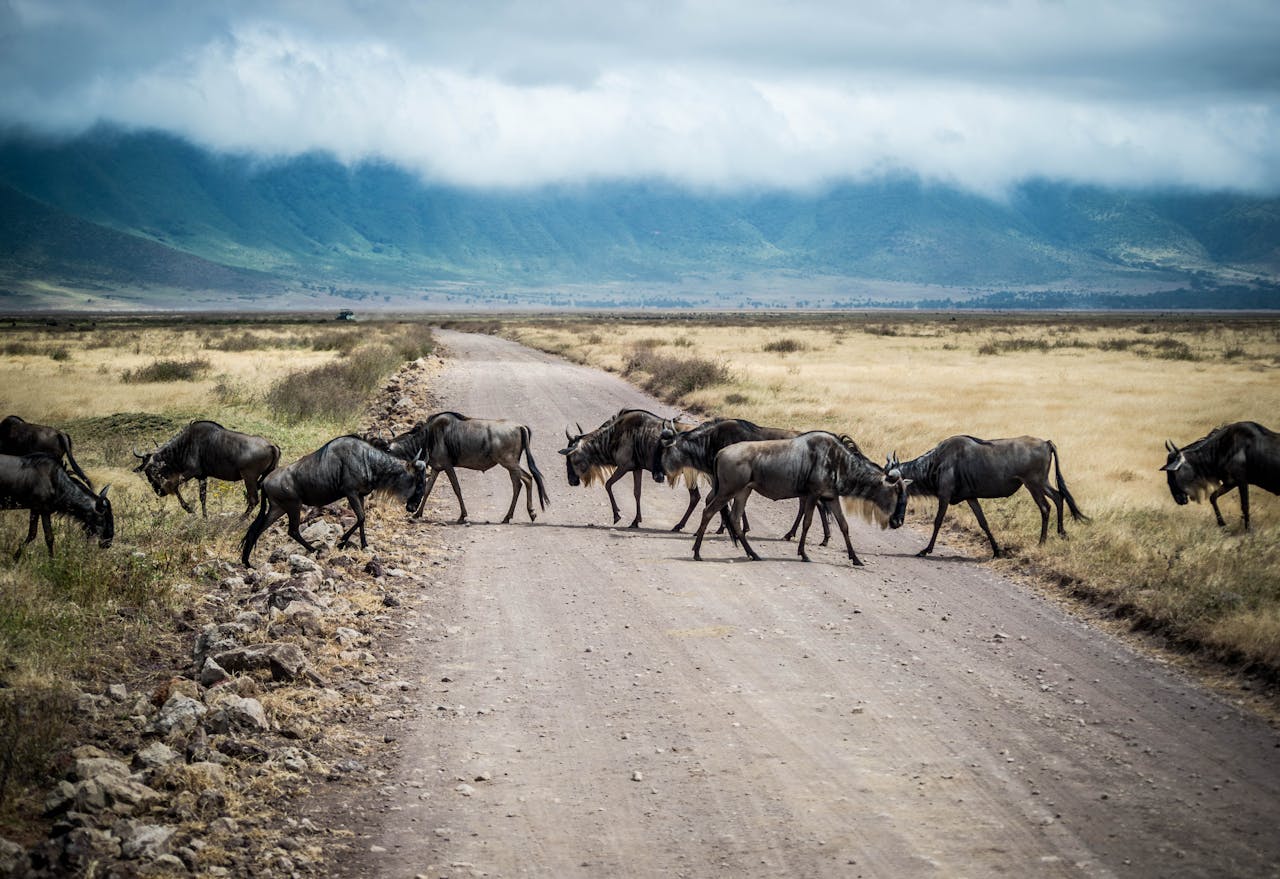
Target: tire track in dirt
x=588, y=701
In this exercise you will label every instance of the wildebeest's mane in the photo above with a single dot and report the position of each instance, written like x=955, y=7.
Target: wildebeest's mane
x=923, y=473
x=449, y=412
x=1211, y=451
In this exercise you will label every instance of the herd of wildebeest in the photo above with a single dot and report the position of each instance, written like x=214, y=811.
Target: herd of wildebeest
x=737, y=457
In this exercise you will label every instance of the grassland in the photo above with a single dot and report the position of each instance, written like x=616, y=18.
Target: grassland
x=1107, y=390
x=89, y=614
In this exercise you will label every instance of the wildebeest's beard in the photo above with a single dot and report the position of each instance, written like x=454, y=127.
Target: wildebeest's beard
x=419, y=486
x=572, y=458
x=900, y=509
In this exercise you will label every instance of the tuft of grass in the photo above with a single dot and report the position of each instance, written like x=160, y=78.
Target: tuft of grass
x=60, y=354
x=342, y=341
x=167, y=371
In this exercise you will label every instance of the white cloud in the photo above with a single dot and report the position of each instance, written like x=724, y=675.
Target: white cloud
x=709, y=94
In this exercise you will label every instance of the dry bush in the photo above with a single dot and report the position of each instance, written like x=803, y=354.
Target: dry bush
x=167, y=371
x=335, y=390
x=785, y=345
x=674, y=377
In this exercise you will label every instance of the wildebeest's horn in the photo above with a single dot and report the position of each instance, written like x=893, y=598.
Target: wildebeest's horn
x=1172, y=449
x=136, y=455
x=580, y=430
x=103, y=493
x=568, y=435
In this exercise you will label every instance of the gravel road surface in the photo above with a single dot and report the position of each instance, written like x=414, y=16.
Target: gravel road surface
x=594, y=703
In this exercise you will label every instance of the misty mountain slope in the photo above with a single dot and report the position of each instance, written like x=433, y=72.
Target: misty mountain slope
x=315, y=219
x=39, y=240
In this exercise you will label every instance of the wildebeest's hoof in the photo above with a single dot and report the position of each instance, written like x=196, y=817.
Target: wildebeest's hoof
x=922, y=553
x=857, y=562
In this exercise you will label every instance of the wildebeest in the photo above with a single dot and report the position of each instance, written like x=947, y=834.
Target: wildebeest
x=692, y=453
x=626, y=443
x=447, y=440
x=816, y=467
x=345, y=467
x=39, y=484
x=19, y=437
x=965, y=468
x=206, y=450
x=1232, y=456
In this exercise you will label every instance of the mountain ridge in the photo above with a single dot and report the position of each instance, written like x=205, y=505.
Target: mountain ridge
x=312, y=220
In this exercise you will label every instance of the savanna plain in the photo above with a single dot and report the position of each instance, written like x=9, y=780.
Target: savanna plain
x=1108, y=390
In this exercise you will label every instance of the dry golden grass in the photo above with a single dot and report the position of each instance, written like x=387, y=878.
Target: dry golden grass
x=86, y=603
x=1107, y=391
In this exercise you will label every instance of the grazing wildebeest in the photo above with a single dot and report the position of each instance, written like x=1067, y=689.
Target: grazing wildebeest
x=206, y=450
x=345, y=467
x=1232, y=456
x=19, y=437
x=447, y=440
x=965, y=468
x=692, y=453
x=626, y=443
x=816, y=467
x=39, y=484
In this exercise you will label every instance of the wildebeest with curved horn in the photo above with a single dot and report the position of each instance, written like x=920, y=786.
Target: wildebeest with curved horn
x=625, y=443
x=206, y=450
x=19, y=437
x=345, y=467
x=1235, y=455
x=965, y=468
x=816, y=467
x=447, y=440
x=691, y=453
x=39, y=483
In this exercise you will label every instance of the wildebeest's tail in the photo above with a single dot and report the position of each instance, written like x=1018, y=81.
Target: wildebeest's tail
x=258, y=525
x=275, y=459
x=1062, y=486
x=65, y=442
x=526, y=440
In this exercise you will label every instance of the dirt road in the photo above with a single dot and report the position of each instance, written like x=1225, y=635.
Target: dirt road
x=592, y=702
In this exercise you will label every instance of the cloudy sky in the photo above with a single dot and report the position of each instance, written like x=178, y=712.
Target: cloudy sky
x=720, y=93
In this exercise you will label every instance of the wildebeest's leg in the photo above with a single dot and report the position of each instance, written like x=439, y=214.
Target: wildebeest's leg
x=982, y=522
x=267, y=516
x=295, y=519
x=527, y=479
x=32, y=530
x=46, y=520
x=515, y=494
x=637, y=481
x=826, y=524
x=715, y=504
x=795, y=526
x=937, y=525
x=204, y=490
x=177, y=492
x=744, y=526
x=1244, y=503
x=250, y=494
x=1038, y=495
x=844, y=529
x=1223, y=489
x=357, y=507
x=1056, y=497
x=426, y=493
x=806, y=512
x=462, y=506
x=608, y=489
x=694, y=497
x=738, y=517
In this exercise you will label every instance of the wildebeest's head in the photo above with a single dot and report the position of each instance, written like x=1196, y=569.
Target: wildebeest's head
x=575, y=458
x=419, y=468
x=1185, y=483
x=101, y=523
x=163, y=479
x=893, y=479
x=669, y=460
